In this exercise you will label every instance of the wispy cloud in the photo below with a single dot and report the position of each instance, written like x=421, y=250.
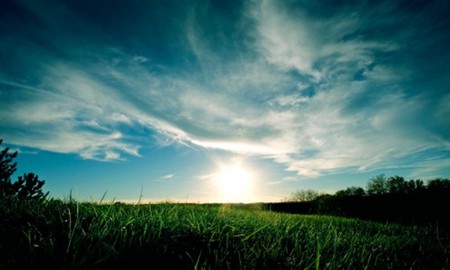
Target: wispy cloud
x=168, y=176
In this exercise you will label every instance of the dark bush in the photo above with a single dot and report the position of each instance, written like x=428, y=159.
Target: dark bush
x=27, y=187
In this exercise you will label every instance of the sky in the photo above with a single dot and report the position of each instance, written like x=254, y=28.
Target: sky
x=156, y=100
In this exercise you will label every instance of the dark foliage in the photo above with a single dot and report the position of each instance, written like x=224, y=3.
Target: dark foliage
x=351, y=191
x=7, y=169
x=30, y=187
x=27, y=187
x=390, y=199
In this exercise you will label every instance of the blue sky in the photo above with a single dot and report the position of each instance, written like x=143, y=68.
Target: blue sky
x=151, y=98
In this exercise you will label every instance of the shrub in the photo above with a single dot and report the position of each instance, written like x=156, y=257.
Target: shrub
x=27, y=187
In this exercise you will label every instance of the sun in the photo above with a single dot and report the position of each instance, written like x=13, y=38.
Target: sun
x=234, y=183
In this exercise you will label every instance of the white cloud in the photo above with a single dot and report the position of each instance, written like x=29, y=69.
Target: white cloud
x=70, y=113
x=168, y=176
x=316, y=47
x=285, y=42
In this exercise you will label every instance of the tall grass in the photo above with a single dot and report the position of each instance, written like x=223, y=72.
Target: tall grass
x=72, y=235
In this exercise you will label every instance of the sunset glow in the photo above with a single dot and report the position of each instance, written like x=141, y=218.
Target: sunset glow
x=234, y=183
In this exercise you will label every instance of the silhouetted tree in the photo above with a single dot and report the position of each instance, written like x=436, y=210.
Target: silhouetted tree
x=7, y=169
x=438, y=184
x=27, y=187
x=351, y=191
x=30, y=187
x=396, y=185
x=303, y=196
x=377, y=185
x=414, y=186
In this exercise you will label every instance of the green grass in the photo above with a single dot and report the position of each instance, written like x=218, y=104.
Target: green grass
x=71, y=235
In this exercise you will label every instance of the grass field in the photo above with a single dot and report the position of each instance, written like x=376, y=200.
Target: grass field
x=72, y=235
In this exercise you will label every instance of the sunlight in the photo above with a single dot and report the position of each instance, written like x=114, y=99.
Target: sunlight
x=234, y=183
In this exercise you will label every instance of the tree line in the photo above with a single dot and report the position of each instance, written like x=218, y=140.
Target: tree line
x=379, y=185
x=384, y=199
x=395, y=185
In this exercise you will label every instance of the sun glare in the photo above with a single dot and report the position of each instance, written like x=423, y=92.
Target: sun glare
x=234, y=183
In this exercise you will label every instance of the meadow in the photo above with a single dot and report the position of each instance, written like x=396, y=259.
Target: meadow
x=56, y=234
